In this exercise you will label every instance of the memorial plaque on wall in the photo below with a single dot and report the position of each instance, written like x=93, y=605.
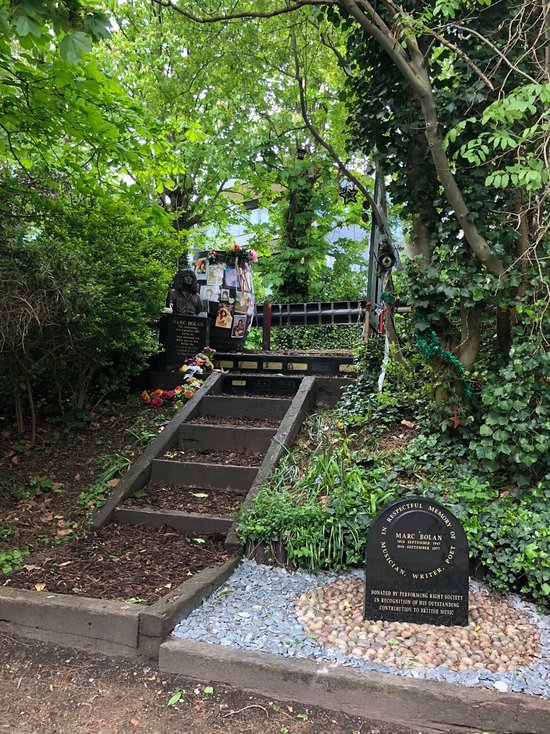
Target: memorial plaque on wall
x=185, y=337
x=417, y=565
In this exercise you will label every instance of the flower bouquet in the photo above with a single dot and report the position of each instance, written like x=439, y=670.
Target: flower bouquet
x=192, y=369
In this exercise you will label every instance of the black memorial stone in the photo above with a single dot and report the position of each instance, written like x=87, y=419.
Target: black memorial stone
x=182, y=337
x=417, y=565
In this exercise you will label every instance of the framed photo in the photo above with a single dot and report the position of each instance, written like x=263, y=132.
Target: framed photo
x=241, y=301
x=201, y=268
x=224, y=317
x=230, y=277
x=214, y=275
x=210, y=293
x=239, y=326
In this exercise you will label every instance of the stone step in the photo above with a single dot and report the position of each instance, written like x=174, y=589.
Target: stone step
x=191, y=522
x=224, y=406
x=204, y=476
x=222, y=438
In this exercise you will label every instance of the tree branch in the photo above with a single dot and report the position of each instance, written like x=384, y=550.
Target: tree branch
x=467, y=60
x=378, y=215
x=246, y=14
x=499, y=53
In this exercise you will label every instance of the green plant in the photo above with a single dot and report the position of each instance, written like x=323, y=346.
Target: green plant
x=11, y=560
x=5, y=531
x=514, y=430
x=403, y=395
x=95, y=495
x=321, y=513
x=316, y=337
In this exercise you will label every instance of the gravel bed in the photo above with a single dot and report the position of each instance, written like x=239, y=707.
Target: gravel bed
x=259, y=608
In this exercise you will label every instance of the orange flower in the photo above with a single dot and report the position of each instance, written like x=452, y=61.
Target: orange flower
x=145, y=397
x=188, y=393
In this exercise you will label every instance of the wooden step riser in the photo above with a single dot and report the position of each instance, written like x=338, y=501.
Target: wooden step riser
x=189, y=522
x=229, y=407
x=221, y=438
x=203, y=476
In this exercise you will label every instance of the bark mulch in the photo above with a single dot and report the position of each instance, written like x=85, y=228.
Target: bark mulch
x=120, y=562
x=222, y=502
x=214, y=420
x=242, y=457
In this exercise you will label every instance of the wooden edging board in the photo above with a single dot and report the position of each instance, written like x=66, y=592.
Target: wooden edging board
x=425, y=705
x=203, y=475
x=110, y=627
x=97, y=625
x=139, y=473
x=191, y=522
x=301, y=405
x=159, y=619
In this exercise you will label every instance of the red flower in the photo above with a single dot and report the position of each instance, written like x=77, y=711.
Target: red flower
x=156, y=402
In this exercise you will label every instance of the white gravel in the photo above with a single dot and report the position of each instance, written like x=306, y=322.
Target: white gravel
x=506, y=646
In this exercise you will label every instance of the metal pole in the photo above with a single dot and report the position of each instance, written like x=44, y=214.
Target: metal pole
x=266, y=326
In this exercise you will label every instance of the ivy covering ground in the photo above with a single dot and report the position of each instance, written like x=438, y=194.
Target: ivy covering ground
x=376, y=447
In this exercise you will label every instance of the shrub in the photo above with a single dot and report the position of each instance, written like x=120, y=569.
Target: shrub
x=100, y=275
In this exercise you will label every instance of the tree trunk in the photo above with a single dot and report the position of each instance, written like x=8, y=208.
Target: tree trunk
x=470, y=333
x=421, y=241
x=19, y=414
x=412, y=65
x=32, y=408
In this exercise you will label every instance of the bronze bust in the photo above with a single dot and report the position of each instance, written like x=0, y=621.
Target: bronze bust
x=184, y=294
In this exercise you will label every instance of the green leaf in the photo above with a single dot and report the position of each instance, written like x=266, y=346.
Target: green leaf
x=25, y=25
x=73, y=46
x=208, y=690
x=5, y=28
x=175, y=697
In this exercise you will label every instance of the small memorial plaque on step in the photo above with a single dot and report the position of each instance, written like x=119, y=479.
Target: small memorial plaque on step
x=417, y=565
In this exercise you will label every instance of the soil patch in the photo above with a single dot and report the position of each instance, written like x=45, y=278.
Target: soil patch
x=223, y=502
x=242, y=457
x=47, y=491
x=393, y=438
x=120, y=562
x=46, y=689
x=214, y=420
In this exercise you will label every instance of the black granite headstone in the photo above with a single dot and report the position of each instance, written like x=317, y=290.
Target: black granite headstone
x=185, y=336
x=417, y=565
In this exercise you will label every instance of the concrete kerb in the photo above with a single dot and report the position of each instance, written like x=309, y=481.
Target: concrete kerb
x=425, y=704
